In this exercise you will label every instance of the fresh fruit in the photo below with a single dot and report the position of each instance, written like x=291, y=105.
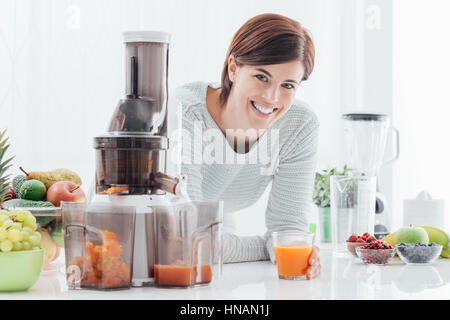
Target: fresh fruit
x=15, y=231
x=375, y=252
x=441, y=237
x=390, y=239
x=50, y=247
x=17, y=182
x=32, y=190
x=365, y=238
x=65, y=191
x=355, y=241
x=377, y=245
x=4, y=166
x=411, y=235
x=51, y=177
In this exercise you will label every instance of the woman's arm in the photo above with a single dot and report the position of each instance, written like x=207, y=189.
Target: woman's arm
x=289, y=200
x=292, y=186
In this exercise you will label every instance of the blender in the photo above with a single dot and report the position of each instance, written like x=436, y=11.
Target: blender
x=365, y=137
x=131, y=157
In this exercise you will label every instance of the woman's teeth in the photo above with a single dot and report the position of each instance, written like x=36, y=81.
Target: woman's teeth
x=261, y=109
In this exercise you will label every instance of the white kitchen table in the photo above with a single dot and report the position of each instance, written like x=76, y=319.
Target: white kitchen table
x=341, y=278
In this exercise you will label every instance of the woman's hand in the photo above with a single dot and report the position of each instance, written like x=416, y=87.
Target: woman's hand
x=314, y=264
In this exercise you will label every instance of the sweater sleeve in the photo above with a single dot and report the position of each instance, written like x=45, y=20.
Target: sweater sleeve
x=289, y=200
x=292, y=187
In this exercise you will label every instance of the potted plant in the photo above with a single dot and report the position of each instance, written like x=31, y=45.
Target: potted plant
x=321, y=198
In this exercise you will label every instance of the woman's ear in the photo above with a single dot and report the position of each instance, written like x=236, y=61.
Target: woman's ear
x=232, y=67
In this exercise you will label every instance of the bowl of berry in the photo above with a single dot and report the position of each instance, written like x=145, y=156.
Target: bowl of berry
x=355, y=241
x=419, y=253
x=375, y=252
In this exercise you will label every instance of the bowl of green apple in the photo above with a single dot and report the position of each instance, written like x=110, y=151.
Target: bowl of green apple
x=21, y=256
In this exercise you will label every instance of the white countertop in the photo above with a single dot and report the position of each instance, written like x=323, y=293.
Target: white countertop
x=341, y=278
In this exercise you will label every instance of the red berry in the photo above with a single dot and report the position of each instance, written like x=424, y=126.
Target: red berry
x=360, y=240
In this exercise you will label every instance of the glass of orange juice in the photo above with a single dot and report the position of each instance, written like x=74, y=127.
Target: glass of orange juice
x=292, y=253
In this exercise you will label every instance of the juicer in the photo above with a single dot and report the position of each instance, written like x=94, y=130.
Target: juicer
x=131, y=158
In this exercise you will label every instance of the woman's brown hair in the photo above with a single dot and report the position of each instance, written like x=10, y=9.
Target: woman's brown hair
x=268, y=39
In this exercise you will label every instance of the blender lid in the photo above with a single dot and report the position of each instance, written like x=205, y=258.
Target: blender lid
x=365, y=116
x=131, y=140
x=146, y=36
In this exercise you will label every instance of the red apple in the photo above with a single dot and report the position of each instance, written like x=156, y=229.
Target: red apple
x=65, y=191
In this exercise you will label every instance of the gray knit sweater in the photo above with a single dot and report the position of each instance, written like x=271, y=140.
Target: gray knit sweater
x=284, y=155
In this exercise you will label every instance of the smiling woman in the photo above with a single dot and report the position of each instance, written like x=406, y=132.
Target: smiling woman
x=255, y=112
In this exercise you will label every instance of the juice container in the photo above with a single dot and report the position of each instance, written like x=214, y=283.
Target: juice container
x=188, y=245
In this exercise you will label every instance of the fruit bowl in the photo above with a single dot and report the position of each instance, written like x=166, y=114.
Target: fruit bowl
x=351, y=246
x=49, y=225
x=419, y=254
x=20, y=269
x=375, y=256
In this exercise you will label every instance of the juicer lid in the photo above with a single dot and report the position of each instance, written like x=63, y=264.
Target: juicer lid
x=365, y=117
x=146, y=36
x=131, y=140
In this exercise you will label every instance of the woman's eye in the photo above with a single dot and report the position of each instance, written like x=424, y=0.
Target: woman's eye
x=261, y=77
x=288, y=86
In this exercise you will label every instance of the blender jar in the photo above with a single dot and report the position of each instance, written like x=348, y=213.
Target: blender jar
x=187, y=243
x=99, y=243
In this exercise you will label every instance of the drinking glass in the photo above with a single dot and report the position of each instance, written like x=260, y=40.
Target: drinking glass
x=292, y=253
x=352, y=208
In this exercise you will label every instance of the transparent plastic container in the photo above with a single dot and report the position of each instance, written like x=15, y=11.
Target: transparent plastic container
x=187, y=243
x=352, y=208
x=99, y=242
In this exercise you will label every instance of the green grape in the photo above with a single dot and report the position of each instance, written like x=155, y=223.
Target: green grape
x=38, y=234
x=7, y=223
x=17, y=225
x=17, y=246
x=25, y=235
x=27, y=229
x=6, y=246
x=34, y=241
x=26, y=245
x=3, y=218
x=14, y=235
x=20, y=216
x=30, y=221
x=3, y=234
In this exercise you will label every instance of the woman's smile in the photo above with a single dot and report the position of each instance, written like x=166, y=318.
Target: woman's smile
x=262, y=110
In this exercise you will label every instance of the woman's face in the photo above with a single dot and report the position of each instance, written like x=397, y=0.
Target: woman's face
x=262, y=94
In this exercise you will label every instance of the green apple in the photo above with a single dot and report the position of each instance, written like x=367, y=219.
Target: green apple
x=411, y=235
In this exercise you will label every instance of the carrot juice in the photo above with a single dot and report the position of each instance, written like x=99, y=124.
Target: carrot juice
x=292, y=260
x=182, y=275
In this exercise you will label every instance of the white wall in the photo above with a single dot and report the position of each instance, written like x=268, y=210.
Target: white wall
x=421, y=100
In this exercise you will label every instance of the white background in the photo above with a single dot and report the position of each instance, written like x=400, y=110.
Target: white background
x=61, y=75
